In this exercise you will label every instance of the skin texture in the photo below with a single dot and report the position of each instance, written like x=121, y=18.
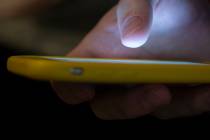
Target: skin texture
x=166, y=30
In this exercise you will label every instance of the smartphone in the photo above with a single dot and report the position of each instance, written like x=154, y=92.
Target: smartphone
x=110, y=71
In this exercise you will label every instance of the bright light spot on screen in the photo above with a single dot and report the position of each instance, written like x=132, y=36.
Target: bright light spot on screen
x=166, y=18
x=172, y=16
x=134, y=42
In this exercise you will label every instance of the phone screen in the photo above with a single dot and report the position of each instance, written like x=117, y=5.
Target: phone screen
x=127, y=61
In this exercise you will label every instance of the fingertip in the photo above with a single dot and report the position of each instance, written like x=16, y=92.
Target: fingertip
x=134, y=40
x=134, y=103
x=161, y=94
x=73, y=93
x=153, y=96
x=135, y=32
x=134, y=22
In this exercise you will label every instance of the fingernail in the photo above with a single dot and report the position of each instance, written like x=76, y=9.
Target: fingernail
x=134, y=32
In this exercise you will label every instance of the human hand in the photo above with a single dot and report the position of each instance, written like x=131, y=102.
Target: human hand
x=171, y=30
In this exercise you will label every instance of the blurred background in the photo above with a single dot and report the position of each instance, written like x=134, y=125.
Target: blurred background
x=52, y=27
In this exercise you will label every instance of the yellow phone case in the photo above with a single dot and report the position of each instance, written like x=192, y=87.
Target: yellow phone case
x=120, y=71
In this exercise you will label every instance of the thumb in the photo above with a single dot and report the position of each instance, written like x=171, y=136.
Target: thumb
x=134, y=21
